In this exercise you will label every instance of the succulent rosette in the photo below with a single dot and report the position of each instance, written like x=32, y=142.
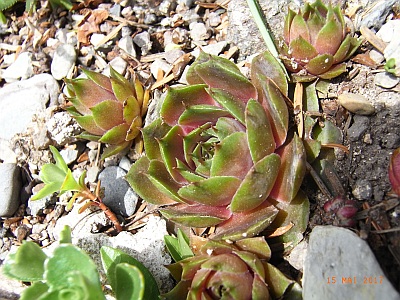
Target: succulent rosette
x=316, y=42
x=109, y=109
x=394, y=171
x=230, y=271
x=220, y=154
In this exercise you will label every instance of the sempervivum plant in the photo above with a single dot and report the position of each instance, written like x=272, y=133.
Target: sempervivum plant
x=220, y=154
x=230, y=271
x=316, y=42
x=109, y=109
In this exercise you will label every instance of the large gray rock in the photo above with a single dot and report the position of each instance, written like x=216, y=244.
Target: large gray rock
x=10, y=187
x=19, y=102
x=340, y=265
x=147, y=246
x=118, y=196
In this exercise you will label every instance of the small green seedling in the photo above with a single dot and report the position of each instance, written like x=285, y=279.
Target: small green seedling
x=178, y=246
x=30, y=6
x=70, y=274
x=58, y=178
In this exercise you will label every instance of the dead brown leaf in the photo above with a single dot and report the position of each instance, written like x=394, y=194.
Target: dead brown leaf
x=91, y=25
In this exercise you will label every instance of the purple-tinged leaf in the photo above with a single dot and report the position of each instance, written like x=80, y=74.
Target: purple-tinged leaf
x=246, y=224
x=288, y=23
x=329, y=38
x=275, y=107
x=291, y=174
x=344, y=48
x=196, y=215
x=232, y=157
x=277, y=282
x=198, y=115
x=115, y=135
x=265, y=64
x=233, y=105
x=259, y=289
x=257, y=184
x=180, y=98
x=227, y=126
x=259, y=132
x=302, y=50
x=89, y=93
x=334, y=72
x=220, y=73
x=213, y=191
x=100, y=79
x=252, y=262
x=163, y=181
x=108, y=114
x=394, y=171
x=256, y=245
x=138, y=179
x=299, y=28
x=320, y=64
x=171, y=146
x=87, y=122
x=152, y=133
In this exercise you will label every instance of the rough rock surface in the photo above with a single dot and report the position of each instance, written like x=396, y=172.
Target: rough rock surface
x=340, y=265
x=10, y=186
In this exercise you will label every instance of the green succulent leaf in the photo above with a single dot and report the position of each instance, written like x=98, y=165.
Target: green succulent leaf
x=35, y=291
x=213, y=191
x=132, y=109
x=197, y=115
x=48, y=189
x=220, y=73
x=152, y=133
x=88, y=123
x=178, y=247
x=70, y=183
x=27, y=263
x=329, y=37
x=274, y=103
x=299, y=28
x=259, y=132
x=128, y=277
x=257, y=184
x=233, y=105
x=196, y=215
x=232, y=156
x=179, y=98
x=295, y=213
x=277, y=282
x=115, y=135
x=291, y=174
x=67, y=259
x=255, y=245
x=246, y=224
x=138, y=179
x=101, y=80
x=320, y=64
x=302, y=49
x=107, y=114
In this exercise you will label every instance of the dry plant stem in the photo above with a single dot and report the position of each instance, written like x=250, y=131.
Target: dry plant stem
x=94, y=199
x=319, y=181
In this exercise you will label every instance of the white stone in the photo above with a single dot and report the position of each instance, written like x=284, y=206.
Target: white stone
x=63, y=61
x=143, y=41
x=119, y=64
x=213, y=49
x=20, y=69
x=126, y=44
x=19, y=101
x=337, y=255
x=157, y=64
x=147, y=246
x=386, y=80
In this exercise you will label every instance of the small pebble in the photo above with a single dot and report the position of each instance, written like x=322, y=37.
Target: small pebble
x=386, y=80
x=359, y=127
x=69, y=155
x=362, y=190
x=126, y=44
x=356, y=103
x=143, y=41
x=376, y=56
x=198, y=31
x=119, y=65
x=20, y=69
x=159, y=64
